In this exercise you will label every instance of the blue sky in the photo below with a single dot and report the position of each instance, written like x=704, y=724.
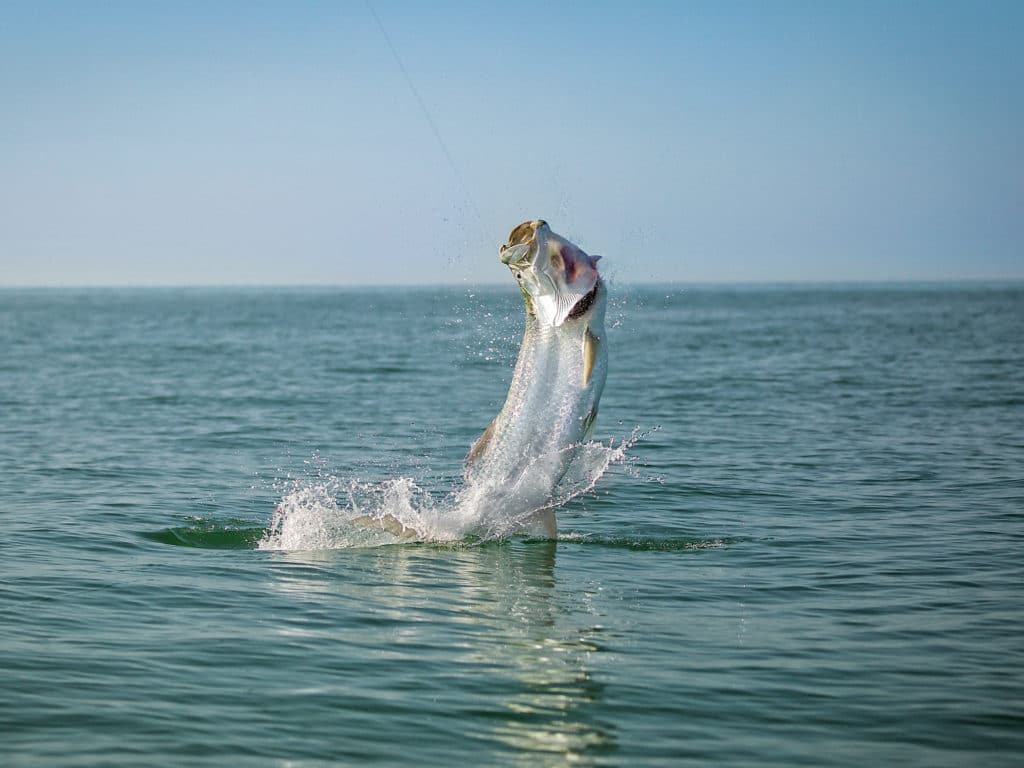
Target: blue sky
x=270, y=143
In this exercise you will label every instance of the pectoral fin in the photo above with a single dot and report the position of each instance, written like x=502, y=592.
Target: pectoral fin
x=591, y=347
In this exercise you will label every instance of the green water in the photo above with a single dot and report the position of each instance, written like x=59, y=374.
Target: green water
x=811, y=556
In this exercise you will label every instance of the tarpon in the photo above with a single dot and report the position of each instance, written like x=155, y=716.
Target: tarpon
x=532, y=456
x=514, y=468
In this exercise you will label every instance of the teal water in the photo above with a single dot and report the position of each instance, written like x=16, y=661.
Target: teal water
x=812, y=555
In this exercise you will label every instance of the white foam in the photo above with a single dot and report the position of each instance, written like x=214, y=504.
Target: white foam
x=329, y=512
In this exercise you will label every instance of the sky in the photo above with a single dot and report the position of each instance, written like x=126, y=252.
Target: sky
x=388, y=142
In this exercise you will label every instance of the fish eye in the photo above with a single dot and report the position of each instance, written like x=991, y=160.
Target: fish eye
x=519, y=275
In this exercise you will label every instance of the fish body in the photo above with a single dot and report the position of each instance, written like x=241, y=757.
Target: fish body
x=533, y=454
x=515, y=468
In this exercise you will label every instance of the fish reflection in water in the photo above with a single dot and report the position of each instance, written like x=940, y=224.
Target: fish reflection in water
x=523, y=650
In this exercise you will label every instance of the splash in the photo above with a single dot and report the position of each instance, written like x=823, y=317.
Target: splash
x=331, y=513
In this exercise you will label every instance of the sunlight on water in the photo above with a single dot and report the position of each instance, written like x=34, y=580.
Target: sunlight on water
x=330, y=512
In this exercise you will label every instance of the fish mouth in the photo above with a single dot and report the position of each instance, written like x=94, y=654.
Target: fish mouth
x=553, y=273
x=523, y=244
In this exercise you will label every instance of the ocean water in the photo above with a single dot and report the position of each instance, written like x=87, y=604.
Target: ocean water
x=806, y=548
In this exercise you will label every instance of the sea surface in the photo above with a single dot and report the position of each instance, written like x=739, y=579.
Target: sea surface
x=810, y=552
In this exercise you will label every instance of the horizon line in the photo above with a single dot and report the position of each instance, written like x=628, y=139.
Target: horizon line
x=494, y=284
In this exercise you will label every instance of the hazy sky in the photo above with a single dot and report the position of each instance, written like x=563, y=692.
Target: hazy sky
x=258, y=142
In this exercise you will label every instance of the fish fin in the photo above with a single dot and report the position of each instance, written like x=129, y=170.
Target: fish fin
x=591, y=346
x=588, y=423
x=481, y=443
x=388, y=523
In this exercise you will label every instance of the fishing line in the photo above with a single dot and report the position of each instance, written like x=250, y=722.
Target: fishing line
x=430, y=121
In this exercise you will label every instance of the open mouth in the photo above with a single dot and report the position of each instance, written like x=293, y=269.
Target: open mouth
x=523, y=244
x=569, y=263
x=518, y=255
x=554, y=274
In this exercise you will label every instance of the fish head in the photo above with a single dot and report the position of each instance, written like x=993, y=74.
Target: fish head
x=554, y=274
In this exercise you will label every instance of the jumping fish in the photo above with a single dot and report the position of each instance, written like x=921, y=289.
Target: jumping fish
x=515, y=473
x=516, y=465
